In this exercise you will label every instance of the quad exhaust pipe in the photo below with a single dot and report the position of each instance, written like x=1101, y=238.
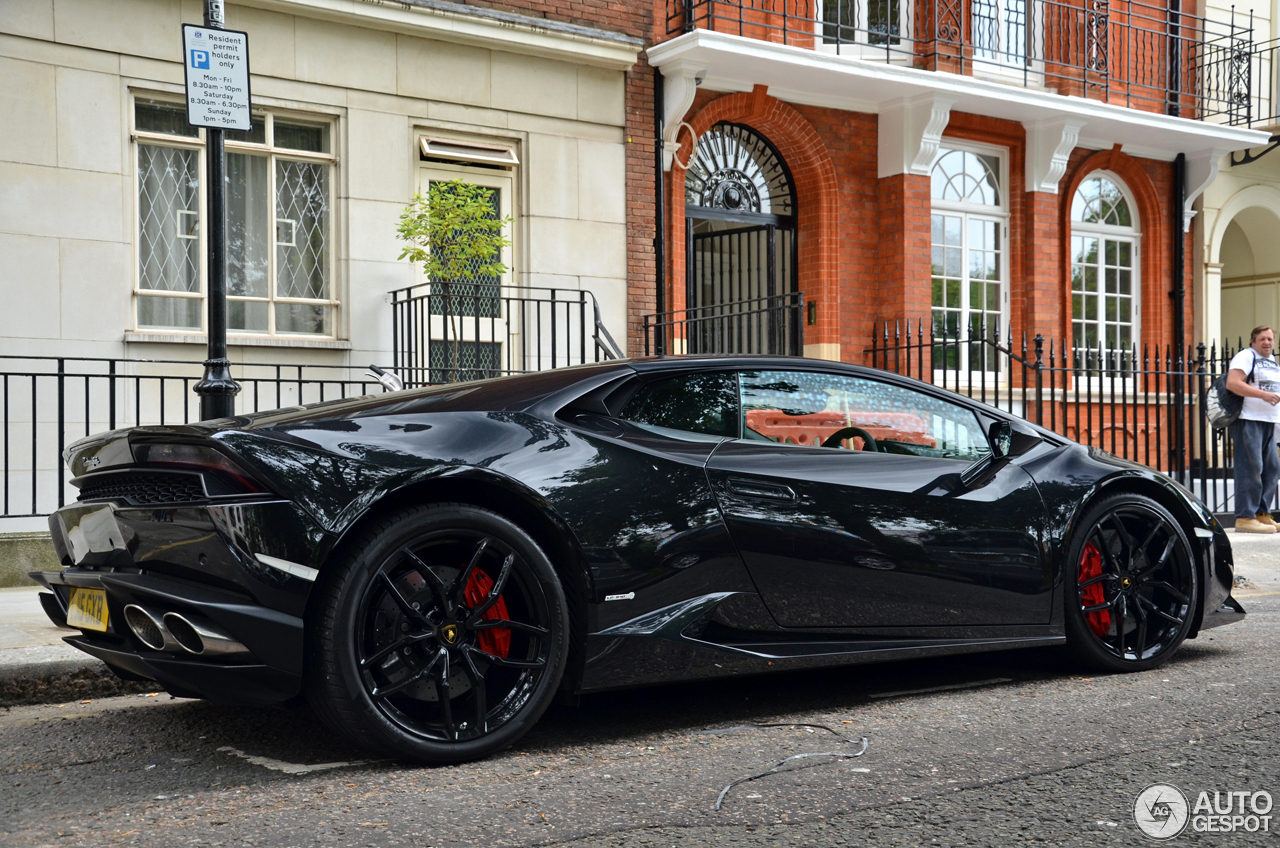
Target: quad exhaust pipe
x=149, y=628
x=198, y=636
x=175, y=632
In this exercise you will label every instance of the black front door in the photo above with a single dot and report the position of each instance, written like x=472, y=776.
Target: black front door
x=876, y=529
x=742, y=287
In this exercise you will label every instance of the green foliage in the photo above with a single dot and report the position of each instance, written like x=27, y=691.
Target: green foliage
x=454, y=233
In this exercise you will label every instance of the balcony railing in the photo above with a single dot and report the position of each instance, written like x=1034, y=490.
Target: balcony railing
x=1258, y=103
x=1140, y=55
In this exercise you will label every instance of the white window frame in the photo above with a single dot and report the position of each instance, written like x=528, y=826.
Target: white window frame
x=196, y=143
x=901, y=53
x=968, y=211
x=1003, y=65
x=1104, y=232
x=470, y=328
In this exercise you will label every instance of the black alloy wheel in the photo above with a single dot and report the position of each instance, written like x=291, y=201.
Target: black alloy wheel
x=442, y=636
x=1133, y=586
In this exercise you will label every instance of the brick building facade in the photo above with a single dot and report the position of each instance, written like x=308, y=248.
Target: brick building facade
x=884, y=140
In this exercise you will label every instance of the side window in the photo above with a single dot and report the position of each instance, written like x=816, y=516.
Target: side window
x=834, y=411
x=693, y=403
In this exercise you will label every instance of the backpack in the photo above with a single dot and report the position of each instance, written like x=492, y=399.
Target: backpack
x=1221, y=405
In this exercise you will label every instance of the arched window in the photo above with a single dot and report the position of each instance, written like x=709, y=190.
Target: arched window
x=968, y=225
x=1104, y=272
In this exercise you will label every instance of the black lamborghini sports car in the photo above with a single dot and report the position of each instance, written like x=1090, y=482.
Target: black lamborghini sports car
x=430, y=568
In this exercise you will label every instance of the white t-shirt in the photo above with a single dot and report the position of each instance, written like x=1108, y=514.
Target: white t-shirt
x=1266, y=376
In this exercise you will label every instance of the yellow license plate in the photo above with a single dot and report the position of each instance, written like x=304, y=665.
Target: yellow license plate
x=88, y=609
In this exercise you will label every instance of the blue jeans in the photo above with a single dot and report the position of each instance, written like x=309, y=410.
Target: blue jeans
x=1257, y=466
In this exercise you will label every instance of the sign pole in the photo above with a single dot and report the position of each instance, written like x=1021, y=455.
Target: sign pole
x=217, y=389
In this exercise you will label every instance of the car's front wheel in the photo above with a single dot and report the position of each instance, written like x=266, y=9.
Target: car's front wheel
x=1132, y=585
x=440, y=635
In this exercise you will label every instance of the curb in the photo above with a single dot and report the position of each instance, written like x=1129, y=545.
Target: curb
x=54, y=674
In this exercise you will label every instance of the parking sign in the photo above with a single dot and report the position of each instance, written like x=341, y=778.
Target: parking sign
x=216, y=62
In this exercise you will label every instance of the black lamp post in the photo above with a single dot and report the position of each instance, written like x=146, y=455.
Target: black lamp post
x=217, y=390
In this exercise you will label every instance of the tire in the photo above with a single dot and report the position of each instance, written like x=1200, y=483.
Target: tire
x=404, y=655
x=1132, y=587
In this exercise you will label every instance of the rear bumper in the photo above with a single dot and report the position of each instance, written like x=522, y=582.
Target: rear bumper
x=269, y=671
x=233, y=569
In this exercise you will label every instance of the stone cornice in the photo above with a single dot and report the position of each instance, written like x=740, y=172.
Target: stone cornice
x=473, y=25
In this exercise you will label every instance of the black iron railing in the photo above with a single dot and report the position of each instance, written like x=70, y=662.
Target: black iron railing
x=767, y=325
x=1149, y=56
x=1143, y=403
x=1257, y=95
x=468, y=331
x=46, y=403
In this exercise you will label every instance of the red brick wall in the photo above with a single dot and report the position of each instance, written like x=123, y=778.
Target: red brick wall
x=630, y=18
x=642, y=214
x=825, y=187
x=905, y=288
x=878, y=268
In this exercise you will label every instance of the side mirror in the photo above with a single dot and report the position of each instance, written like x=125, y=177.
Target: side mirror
x=1001, y=436
x=1010, y=440
x=390, y=382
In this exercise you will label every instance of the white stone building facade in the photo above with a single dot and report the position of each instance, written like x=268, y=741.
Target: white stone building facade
x=102, y=182
x=1238, y=226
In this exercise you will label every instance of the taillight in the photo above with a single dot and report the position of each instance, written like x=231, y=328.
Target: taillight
x=193, y=456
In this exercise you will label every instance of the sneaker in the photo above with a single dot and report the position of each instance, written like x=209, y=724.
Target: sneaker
x=1253, y=525
x=1265, y=518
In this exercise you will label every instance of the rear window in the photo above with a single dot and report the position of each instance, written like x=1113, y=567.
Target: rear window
x=693, y=403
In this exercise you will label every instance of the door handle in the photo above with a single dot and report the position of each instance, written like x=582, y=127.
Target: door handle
x=764, y=491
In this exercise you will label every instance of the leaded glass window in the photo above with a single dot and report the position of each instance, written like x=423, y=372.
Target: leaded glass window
x=476, y=326
x=1104, y=275
x=477, y=296
x=168, y=237
x=277, y=219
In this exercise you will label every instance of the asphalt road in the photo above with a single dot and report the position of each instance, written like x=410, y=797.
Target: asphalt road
x=992, y=749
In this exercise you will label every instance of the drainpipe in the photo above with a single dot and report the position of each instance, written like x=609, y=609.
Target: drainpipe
x=1178, y=293
x=660, y=240
x=1181, y=431
x=1173, y=93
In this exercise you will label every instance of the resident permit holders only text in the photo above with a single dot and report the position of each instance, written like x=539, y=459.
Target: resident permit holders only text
x=216, y=62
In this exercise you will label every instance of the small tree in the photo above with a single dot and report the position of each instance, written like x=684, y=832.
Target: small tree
x=456, y=236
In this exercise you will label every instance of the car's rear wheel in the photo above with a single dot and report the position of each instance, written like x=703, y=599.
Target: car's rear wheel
x=441, y=635
x=1132, y=586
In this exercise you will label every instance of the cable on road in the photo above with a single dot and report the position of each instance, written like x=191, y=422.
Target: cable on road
x=837, y=755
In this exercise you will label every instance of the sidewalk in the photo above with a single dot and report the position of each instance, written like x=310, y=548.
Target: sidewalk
x=1257, y=560
x=37, y=667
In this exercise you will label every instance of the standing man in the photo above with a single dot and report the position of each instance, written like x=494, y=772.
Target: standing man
x=1255, y=376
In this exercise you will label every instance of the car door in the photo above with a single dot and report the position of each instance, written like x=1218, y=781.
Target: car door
x=639, y=502
x=854, y=503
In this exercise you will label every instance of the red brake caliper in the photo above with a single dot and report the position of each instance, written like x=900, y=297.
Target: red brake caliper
x=1092, y=595
x=498, y=640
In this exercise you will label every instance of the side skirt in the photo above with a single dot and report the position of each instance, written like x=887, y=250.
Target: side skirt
x=677, y=643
